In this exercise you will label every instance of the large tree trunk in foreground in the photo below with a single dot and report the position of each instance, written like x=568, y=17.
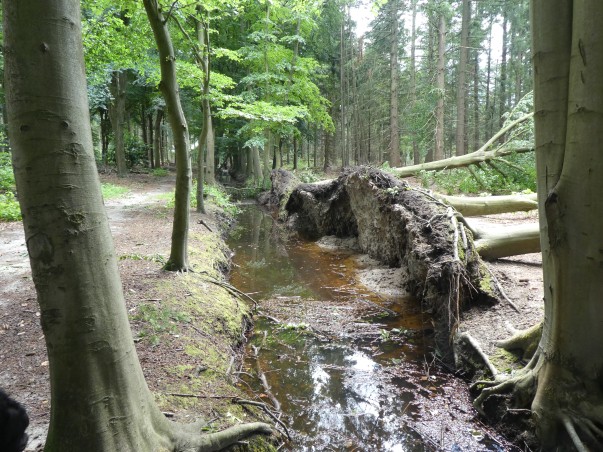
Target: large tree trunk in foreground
x=481, y=155
x=404, y=227
x=100, y=401
x=562, y=383
x=178, y=260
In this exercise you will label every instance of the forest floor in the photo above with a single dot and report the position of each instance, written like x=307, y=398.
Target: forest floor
x=187, y=328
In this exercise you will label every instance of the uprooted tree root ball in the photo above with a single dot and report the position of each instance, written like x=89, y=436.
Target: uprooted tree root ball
x=403, y=227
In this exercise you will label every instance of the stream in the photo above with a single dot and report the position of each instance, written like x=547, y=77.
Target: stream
x=351, y=369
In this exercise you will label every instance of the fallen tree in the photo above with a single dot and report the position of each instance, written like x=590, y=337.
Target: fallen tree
x=404, y=227
x=490, y=205
x=473, y=158
x=505, y=241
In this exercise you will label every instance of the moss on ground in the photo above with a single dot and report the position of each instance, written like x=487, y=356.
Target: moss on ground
x=193, y=330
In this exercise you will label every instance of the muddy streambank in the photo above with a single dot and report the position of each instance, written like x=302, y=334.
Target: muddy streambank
x=350, y=366
x=405, y=228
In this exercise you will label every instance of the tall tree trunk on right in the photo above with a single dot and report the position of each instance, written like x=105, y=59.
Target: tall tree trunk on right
x=438, y=153
x=117, y=113
x=178, y=260
x=394, y=127
x=461, y=91
x=562, y=383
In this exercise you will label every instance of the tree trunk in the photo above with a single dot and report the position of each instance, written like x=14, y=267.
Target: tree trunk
x=563, y=379
x=505, y=241
x=470, y=206
x=502, y=100
x=394, y=129
x=438, y=153
x=117, y=113
x=178, y=260
x=157, y=141
x=462, y=71
x=481, y=155
x=413, y=81
x=100, y=400
x=105, y=123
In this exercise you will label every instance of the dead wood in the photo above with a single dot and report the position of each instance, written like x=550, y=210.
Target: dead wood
x=400, y=226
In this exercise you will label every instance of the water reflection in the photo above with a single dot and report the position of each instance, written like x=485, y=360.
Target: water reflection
x=335, y=394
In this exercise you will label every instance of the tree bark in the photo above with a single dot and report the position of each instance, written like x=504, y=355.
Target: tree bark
x=178, y=260
x=505, y=241
x=562, y=381
x=490, y=205
x=438, y=153
x=100, y=401
x=462, y=71
x=413, y=81
x=394, y=129
x=118, y=117
x=157, y=140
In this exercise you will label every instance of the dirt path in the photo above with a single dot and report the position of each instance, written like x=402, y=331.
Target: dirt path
x=23, y=361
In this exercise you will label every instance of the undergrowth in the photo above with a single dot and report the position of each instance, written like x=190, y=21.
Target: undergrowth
x=213, y=194
x=9, y=206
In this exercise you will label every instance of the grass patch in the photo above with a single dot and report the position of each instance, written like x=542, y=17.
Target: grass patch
x=159, y=172
x=112, y=191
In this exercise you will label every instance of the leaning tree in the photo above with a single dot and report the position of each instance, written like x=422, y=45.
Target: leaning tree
x=100, y=401
x=562, y=384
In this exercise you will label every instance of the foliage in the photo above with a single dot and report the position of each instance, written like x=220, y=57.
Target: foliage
x=9, y=206
x=309, y=175
x=220, y=198
x=7, y=178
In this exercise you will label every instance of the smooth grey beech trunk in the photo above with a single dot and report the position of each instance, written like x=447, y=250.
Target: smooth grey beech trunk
x=178, y=260
x=99, y=399
x=562, y=383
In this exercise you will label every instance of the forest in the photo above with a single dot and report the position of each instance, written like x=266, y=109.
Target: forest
x=301, y=224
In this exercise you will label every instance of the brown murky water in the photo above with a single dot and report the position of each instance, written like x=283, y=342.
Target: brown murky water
x=344, y=391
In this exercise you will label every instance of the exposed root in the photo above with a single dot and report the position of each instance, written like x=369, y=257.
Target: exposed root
x=266, y=410
x=501, y=291
x=523, y=386
x=525, y=340
x=571, y=431
x=217, y=441
x=470, y=340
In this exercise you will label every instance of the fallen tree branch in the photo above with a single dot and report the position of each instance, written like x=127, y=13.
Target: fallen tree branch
x=481, y=155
